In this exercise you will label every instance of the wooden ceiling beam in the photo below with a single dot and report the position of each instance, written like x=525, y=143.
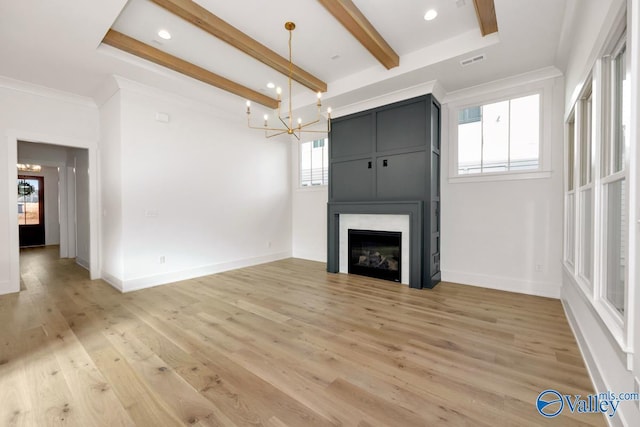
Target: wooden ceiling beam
x=137, y=48
x=192, y=12
x=486, y=13
x=348, y=14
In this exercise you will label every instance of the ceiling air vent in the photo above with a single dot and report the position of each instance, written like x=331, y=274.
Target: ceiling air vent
x=472, y=60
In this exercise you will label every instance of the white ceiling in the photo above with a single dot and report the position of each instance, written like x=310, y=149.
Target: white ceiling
x=56, y=43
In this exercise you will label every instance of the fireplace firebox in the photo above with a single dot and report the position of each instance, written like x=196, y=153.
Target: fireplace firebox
x=375, y=254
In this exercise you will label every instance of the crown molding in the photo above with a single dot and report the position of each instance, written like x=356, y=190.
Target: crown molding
x=508, y=82
x=433, y=87
x=46, y=92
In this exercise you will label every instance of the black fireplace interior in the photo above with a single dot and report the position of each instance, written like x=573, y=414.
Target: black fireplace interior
x=375, y=254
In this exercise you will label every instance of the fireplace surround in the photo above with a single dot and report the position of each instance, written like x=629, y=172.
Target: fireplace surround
x=411, y=209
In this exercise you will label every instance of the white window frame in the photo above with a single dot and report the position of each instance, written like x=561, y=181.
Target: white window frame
x=570, y=225
x=619, y=325
x=298, y=169
x=542, y=87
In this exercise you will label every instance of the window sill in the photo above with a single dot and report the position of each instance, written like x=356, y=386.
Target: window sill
x=312, y=188
x=497, y=176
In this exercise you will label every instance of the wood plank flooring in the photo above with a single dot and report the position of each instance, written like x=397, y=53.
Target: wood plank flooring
x=280, y=344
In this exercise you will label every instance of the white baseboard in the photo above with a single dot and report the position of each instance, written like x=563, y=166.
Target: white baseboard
x=592, y=366
x=83, y=263
x=542, y=289
x=605, y=362
x=176, y=276
x=6, y=288
x=112, y=280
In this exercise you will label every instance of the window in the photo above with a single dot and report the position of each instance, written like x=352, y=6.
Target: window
x=597, y=207
x=614, y=209
x=314, y=163
x=585, y=187
x=29, y=201
x=570, y=195
x=501, y=136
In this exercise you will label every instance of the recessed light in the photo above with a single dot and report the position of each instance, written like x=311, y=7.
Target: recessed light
x=430, y=15
x=164, y=34
x=271, y=85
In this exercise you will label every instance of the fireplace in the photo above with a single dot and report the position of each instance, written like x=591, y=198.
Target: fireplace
x=375, y=254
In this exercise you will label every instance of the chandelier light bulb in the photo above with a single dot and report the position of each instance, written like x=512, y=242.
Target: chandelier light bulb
x=279, y=90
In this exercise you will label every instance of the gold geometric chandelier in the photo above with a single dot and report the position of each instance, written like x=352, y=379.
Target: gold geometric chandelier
x=286, y=123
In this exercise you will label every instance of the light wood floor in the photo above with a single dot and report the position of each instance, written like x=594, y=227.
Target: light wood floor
x=281, y=344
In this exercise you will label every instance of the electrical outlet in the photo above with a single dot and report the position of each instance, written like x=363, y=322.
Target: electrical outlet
x=162, y=259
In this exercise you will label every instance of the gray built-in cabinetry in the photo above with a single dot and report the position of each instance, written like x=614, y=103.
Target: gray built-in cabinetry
x=385, y=155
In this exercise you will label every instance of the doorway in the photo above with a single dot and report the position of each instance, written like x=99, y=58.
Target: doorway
x=31, y=211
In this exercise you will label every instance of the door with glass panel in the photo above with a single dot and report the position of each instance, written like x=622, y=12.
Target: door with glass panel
x=31, y=210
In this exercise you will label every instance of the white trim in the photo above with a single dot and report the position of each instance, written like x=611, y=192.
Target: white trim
x=112, y=281
x=14, y=240
x=125, y=84
x=15, y=135
x=509, y=284
x=431, y=87
x=500, y=176
x=83, y=263
x=593, y=368
x=130, y=285
x=609, y=31
x=541, y=82
x=487, y=89
x=46, y=92
x=633, y=176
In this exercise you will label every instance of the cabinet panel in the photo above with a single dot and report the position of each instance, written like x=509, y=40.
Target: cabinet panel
x=351, y=137
x=402, y=176
x=434, y=215
x=352, y=180
x=435, y=175
x=402, y=127
x=435, y=126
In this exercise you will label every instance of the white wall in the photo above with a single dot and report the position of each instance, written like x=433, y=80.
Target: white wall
x=309, y=221
x=51, y=218
x=111, y=252
x=607, y=362
x=589, y=23
x=33, y=114
x=202, y=191
x=494, y=234
x=506, y=234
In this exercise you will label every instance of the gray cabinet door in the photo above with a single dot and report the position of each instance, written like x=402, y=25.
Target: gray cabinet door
x=402, y=127
x=352, y=180
x=402, y=176
x=352, y=136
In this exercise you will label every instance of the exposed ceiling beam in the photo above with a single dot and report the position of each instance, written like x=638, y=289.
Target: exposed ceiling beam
x=348, y=14
x=192, y=12
x=137, y=48
x=486, y=13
